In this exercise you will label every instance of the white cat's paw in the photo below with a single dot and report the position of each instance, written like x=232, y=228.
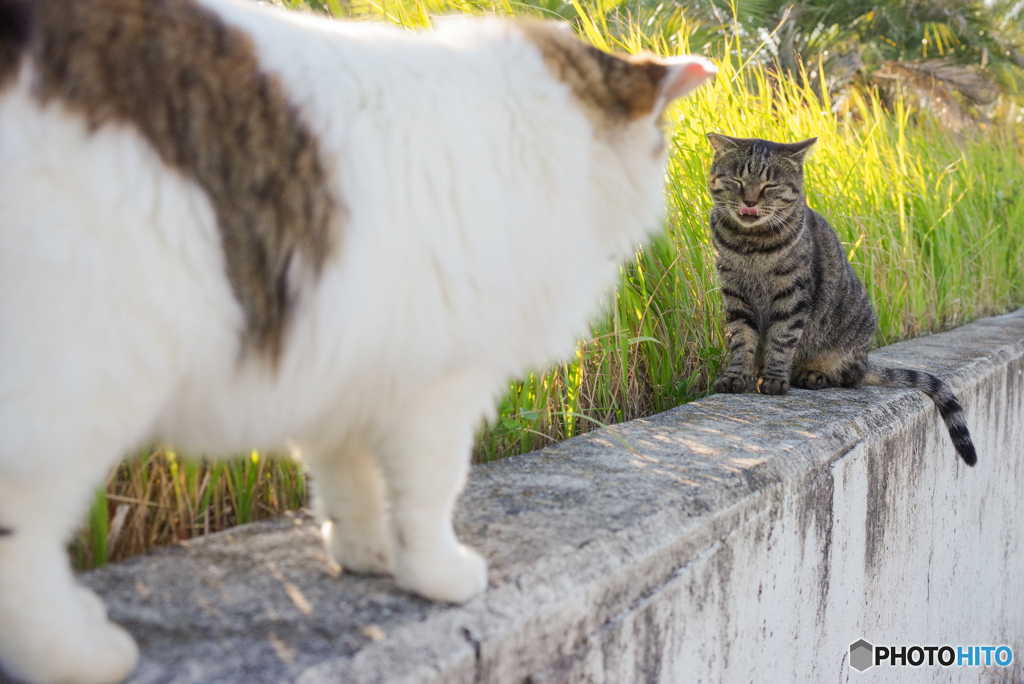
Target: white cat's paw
x=363, y=554
x=86, y=648
x=451, y=577
x=114, y=656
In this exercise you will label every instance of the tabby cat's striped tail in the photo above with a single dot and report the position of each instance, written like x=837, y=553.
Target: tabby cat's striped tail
x=949, y=408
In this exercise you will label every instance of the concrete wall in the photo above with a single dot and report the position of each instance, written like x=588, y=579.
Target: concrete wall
x=740, y=539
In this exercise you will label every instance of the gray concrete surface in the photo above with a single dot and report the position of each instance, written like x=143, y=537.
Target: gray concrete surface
x=743, y=539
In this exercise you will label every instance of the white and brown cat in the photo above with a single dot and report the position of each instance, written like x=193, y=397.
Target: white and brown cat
x=230, y=227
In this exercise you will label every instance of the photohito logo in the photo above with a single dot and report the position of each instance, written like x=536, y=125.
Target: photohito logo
x=863, y=655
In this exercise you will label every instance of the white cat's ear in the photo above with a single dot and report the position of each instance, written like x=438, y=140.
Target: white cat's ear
x=614, y=89
x=685, y=74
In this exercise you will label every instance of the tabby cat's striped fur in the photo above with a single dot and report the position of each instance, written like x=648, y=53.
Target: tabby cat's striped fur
x=795, y=310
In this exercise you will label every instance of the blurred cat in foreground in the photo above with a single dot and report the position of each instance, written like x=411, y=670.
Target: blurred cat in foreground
x=229, y=227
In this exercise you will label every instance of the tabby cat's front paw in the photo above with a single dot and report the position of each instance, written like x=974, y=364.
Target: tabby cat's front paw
x=772, y=386
x=732, y=383
x=450, y=577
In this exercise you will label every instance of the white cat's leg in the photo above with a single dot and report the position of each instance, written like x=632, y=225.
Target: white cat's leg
x=74, y=397
x=425, y=464
x=349, y=499
x=57, y=443
x=51, y=628
x=64, y=422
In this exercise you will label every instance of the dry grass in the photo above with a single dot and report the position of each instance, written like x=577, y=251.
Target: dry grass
x=155, y=498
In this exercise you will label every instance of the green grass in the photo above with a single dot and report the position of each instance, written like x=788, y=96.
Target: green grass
x=933, y=225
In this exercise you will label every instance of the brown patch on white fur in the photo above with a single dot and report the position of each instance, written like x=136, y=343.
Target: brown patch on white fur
x=193, y=87
x=615, y=89
x=13, y=34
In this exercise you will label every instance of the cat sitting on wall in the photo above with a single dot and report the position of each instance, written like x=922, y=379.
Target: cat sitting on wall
x=229, y=227
x=796, y=312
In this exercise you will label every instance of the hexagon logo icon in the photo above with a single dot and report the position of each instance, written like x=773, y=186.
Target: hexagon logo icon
x=861, y=655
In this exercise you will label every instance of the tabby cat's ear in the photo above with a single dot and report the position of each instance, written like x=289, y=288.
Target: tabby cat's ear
x=797, y=150
x=721, y=143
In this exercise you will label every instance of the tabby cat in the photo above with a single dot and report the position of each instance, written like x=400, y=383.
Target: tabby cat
x=795, y=310
x=228, y=227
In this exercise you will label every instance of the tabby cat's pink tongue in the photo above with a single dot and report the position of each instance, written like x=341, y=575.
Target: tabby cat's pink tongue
x=749, y=211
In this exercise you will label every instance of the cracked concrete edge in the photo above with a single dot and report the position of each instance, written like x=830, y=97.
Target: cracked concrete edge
x=556, y=609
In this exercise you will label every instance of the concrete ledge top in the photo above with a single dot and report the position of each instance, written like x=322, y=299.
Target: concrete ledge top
x=574, y=534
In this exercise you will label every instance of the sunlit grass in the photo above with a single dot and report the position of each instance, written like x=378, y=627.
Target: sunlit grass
x=933, y=225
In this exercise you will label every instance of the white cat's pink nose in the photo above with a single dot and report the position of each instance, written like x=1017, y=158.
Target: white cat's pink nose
x=749, y=211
